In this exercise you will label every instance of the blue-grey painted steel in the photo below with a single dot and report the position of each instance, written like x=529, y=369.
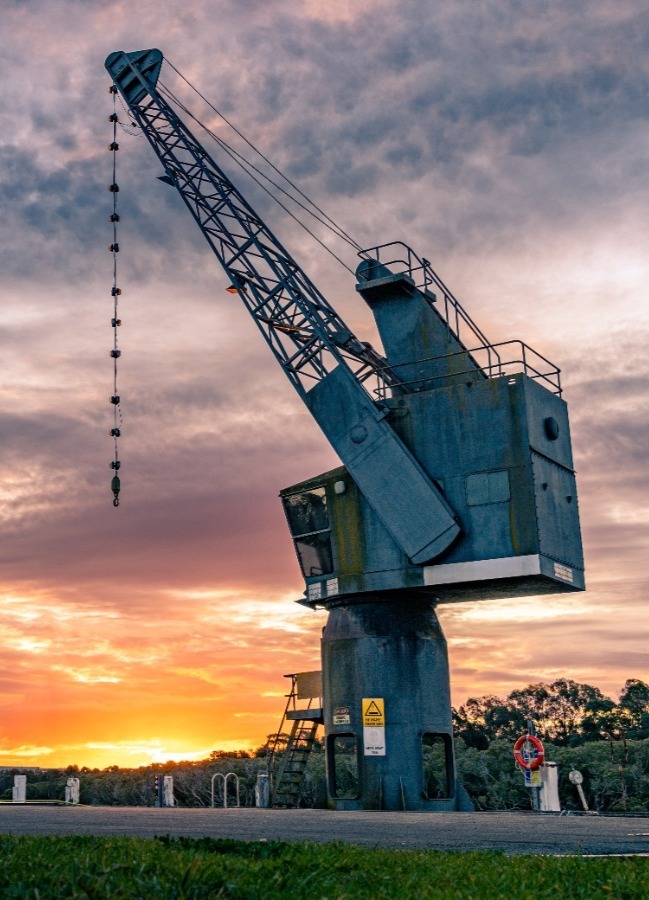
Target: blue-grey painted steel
x=394, y=484
x=466, y=466
x=497, y=447
x=324, y=361
x=512, y=486
x=136, y=72
x=422, y=351
x=395, y=652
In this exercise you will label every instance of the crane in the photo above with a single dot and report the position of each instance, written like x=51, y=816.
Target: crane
x=457, y=481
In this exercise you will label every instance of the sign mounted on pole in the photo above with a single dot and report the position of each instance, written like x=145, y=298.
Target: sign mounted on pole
x=373, y=710
x=533, y=778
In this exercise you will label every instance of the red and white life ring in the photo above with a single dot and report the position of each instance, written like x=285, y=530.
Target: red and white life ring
x=530, y=764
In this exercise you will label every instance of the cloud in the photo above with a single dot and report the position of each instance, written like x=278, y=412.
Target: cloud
x=507, y=146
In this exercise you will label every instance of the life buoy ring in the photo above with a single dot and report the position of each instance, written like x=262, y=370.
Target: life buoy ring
x=530, y=764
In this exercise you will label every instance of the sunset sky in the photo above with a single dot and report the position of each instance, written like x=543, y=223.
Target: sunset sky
x=505, y=140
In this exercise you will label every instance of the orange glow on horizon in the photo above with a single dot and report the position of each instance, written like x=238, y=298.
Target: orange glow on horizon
x=96, y=693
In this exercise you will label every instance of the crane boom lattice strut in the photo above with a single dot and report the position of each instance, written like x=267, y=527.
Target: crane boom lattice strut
x=306, y=334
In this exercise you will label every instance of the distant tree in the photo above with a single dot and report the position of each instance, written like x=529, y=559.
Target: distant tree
x=557, y=709
x=564, y=712
x=616, y=775
x=230, y=754
x=601, y=718
x=634, y=708
x=490, y=776
x=276, y=742
x=485, y=719
x=505, y=721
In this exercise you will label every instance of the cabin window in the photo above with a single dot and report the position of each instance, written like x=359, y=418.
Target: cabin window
x=308, y=520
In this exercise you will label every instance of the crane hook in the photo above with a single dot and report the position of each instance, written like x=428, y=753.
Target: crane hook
x=115, y=486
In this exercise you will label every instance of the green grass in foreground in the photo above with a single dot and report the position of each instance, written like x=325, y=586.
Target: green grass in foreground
x=75, y=867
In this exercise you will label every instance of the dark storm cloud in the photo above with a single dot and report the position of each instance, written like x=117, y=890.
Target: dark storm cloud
x=57, y=217
x=611, y=417
x=46, y=211
x=23, y=434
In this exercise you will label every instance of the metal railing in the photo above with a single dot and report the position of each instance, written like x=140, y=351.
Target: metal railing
x=299, y=690
x=521, y=358
x=401, y=259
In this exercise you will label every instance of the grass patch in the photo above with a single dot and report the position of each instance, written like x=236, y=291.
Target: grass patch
x=183, y=868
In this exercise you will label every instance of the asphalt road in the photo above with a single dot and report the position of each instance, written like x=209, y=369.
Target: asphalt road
x=511, y=832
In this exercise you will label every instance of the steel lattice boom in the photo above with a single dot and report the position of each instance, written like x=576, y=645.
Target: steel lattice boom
x=305, y=333
x=326, y=363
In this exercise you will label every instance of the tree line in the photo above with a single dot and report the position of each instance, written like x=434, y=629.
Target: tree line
x=581, y=729
x=565, y=712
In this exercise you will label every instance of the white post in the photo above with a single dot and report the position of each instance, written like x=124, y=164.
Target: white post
x=168, y=798
x=19, y=790
x=72, y=790
x=549, y=793
x=262, y=791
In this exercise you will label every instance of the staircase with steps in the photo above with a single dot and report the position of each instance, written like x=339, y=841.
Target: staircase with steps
x=288, y=766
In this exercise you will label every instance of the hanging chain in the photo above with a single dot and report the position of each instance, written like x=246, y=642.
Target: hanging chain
x=115, y=322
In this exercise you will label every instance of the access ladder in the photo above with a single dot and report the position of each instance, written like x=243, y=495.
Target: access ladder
x=291, y=765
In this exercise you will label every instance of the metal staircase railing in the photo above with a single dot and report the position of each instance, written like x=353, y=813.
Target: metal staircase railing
x=287, y=766
x=291, y=770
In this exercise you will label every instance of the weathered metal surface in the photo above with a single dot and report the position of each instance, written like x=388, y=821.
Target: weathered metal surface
x=308, y=685
x=412, y=509
x=449, y=461
x=327, y=365
x=135, y=74
x=394, y=651
x=498, y=450
x=422, y=351
x=512, y=486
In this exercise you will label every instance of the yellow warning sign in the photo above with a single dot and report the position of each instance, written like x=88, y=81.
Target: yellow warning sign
x=373, y=712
